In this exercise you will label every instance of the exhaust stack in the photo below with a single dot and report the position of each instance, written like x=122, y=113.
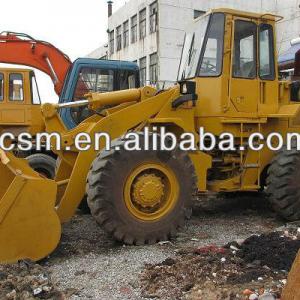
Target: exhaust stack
x=109, y=8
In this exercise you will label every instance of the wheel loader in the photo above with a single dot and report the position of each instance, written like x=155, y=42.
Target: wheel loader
x=20, y=111
x=227, y=82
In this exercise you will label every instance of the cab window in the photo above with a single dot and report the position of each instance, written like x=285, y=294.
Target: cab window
x=16, y=91
x=212, y=56
x=93, y=80
x=90, y=80
x=266, y=52
x=127, y=79
x=244, y=53
x=1, y=87
x=35, y=95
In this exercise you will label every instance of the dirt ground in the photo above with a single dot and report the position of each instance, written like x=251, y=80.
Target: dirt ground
x=88, y=264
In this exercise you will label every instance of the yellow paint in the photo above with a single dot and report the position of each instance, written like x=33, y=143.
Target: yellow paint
x=151, y=191
x=19, y=116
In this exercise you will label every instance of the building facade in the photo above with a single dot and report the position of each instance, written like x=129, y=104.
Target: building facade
x=151, y=33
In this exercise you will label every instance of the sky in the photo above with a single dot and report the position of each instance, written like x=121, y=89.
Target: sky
x=76, y=27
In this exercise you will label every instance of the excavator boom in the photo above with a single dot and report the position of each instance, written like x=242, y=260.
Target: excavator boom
x=22, y=49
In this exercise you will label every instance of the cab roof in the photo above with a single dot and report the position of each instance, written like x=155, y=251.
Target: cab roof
x=245, y=14
x=15, y=70
x=106, y=63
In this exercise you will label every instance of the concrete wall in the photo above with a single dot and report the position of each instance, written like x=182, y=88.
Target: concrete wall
x=289, y=27
x=99, y=52
x=142, y=47
x=175, y=16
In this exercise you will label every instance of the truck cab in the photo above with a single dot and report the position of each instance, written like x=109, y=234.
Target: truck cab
x=93, y=75
x=19, y=102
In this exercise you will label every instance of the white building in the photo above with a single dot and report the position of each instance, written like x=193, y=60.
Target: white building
x=152, y=32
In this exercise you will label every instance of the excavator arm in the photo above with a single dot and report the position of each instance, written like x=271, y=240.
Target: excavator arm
x=22, y=49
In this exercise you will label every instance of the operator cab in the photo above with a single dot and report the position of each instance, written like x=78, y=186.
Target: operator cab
x=19, y=101
x=230, y=55
x=94, y=75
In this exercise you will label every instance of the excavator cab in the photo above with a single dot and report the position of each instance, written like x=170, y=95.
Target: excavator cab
x=88, y=75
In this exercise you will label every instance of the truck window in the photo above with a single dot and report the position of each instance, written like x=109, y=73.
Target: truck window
x=16, y=91
x=244, y=55
x=266, y=52
x=35, y=95
x=1, y=86
x=93, y=80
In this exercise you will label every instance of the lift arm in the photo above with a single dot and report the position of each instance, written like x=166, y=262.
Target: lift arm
x=19, y=48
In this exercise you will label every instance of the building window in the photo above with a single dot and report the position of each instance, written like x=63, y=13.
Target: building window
x=142, y=24
x=153, y=17
x=134, y=29
x=198, y=13
x=16, y=92
x=112, y=42
x=153, y=68
x=126, y=34
x=1, y=86
x=143, y=70
x=119, y=38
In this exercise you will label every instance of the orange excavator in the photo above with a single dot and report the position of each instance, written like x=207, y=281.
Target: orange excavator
x=19, y=95
x=72, y=80
x=22, y=49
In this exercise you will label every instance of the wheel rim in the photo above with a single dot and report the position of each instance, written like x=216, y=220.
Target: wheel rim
x=151, y=191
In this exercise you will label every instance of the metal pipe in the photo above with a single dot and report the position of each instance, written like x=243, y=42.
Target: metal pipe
x=109, y=8
x=55, y=78
x=73, y=104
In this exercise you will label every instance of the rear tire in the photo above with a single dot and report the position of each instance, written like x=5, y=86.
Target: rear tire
x=43, y=164
x=107, y=193
x=283, y=184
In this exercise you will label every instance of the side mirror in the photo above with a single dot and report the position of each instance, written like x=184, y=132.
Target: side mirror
x=188, y=93
x=187, y=87
x=295, y=91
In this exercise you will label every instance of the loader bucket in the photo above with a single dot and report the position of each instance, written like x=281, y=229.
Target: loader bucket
x=29, y=225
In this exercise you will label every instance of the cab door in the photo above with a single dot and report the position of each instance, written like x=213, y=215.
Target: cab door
x=267, y=70
x=244, y=85
x=33, y=102
x=13, y=112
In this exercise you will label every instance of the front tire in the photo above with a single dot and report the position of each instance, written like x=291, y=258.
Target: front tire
x=283, y=184
x=141, y=196
x=43, y=164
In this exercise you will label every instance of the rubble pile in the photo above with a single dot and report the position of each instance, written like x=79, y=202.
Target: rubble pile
x=256, y=267
x=276, y=250
x=26, y=281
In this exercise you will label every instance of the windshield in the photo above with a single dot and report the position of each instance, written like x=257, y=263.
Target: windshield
x=191, y=49
x=203, y=47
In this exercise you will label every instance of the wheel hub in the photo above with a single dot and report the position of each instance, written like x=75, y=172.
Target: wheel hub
x=151, y=191
x=148, y=191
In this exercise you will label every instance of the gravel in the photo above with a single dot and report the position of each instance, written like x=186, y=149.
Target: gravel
x=88, y=264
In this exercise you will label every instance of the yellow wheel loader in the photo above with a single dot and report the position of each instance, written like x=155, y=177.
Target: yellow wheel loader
x=20, y=111
x=227, y=82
